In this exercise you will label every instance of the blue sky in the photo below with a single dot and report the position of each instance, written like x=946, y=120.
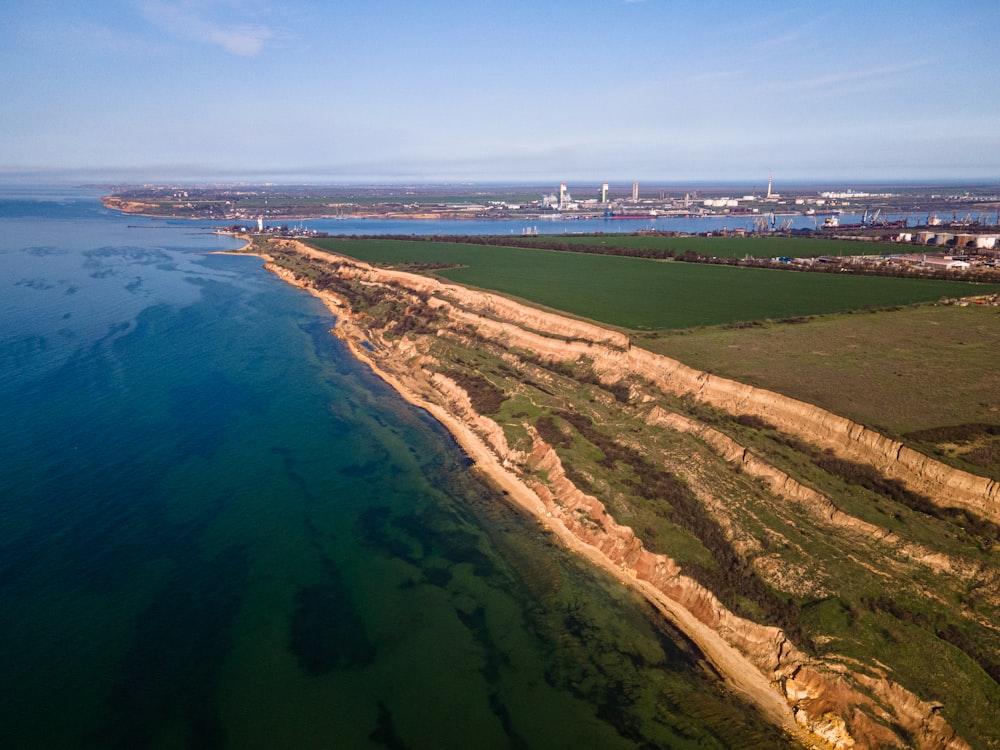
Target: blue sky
x=482, y=90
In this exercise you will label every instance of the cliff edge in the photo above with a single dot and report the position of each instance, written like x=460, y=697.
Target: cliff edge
x=408, y=326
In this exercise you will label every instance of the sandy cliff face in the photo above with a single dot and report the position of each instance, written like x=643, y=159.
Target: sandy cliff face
x=819, y=505
x=944, y=485
x=819, y=694
x=568, y=340
x=564, y=339
x=836, y=703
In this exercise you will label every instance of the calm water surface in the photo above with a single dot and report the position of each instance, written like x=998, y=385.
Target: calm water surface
x=551, y=225
x=218, y=530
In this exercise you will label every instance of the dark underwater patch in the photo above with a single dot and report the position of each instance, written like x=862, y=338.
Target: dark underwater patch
x=385, y=731
x=37, y=284
x=440, y=577
x=44, y=251
x=375, y=527
x=326, y=632
x=179, y=646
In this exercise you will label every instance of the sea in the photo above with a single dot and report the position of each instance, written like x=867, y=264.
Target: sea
x=220, y=530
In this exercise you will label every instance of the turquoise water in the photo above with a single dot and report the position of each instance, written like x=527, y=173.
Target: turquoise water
x=218, y=530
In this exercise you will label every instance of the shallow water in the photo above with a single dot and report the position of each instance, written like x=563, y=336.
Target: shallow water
x=217, y=529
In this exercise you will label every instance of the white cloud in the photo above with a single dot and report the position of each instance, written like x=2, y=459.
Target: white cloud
x=245, y=41
x=190, y=20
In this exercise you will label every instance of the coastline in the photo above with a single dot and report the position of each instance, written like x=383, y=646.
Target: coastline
x=734, y=669
x=818, y=699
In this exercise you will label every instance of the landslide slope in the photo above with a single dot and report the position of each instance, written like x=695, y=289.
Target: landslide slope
x=854, y=577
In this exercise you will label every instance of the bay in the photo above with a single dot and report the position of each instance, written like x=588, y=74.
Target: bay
x=554, y=224
x=219, y=530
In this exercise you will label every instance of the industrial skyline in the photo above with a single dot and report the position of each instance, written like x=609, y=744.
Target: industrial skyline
x=147, y=90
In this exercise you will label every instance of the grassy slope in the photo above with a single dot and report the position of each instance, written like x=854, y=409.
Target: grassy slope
x=900, y=370
x=917, y=368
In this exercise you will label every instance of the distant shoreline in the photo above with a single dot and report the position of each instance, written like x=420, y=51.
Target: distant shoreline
x=277, y=204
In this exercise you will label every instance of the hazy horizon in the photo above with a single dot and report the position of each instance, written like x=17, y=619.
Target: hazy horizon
x=514, y=92
x=131, y=181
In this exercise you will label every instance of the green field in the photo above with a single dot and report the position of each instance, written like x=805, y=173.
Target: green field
x=641, y=294
x=726, y=247
x=904, y=370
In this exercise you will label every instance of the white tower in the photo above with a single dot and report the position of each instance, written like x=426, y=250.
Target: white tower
x=260, y=223
x=770, y=175
x=563, y=195
x=635, y=191
x=604, y=192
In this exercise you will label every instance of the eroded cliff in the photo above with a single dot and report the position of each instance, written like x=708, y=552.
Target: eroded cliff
x=837, y=698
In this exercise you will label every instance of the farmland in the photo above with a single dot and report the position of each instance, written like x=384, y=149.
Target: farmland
x=641, y=294
x=724, y=247
x=862, y=347
x=904, y=372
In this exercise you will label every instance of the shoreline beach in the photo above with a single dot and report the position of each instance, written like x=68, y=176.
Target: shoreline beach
x=733, y=668
x=818, y=699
